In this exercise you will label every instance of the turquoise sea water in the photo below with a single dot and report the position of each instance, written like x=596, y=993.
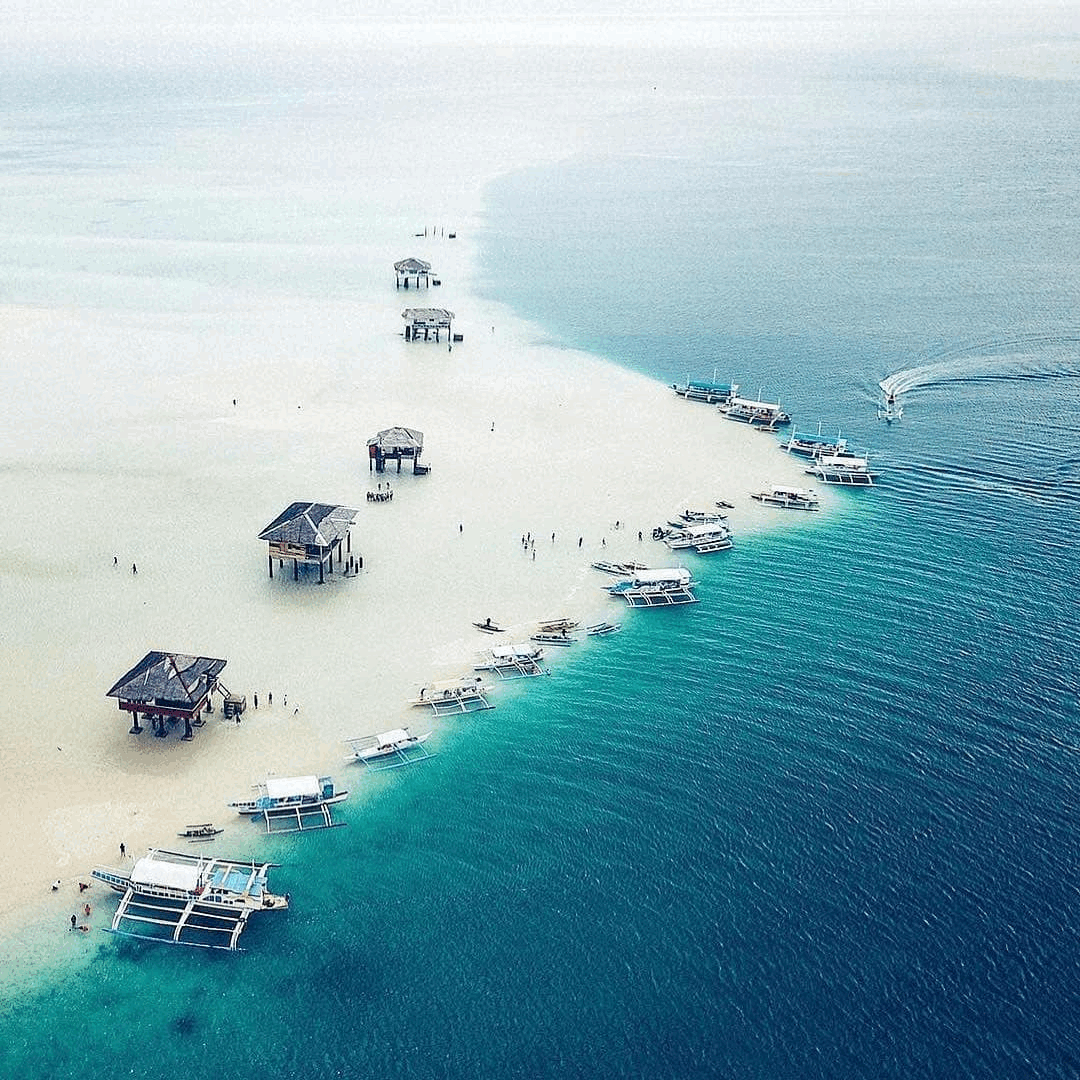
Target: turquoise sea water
x=822, y=824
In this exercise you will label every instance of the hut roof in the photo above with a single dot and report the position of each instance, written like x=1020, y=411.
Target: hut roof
x=428, y=315
x=164, y=676
x=317, y=524
x=412, y=266
x=398, y=438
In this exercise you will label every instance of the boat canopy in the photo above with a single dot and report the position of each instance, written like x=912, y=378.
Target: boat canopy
x=515, y=652
x=842, y=461
x=676, y=574
x=157, y=872
x=287, y=787
x=702, y=529
x=754, y=403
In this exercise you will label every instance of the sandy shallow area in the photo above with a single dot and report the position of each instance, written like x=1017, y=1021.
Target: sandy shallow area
x=125, y=444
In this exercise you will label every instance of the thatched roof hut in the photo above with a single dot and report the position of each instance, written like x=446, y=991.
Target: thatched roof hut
x=167, y=686
x=308, y=532
x=425, y=320
x=396, y=443
x=404, y=269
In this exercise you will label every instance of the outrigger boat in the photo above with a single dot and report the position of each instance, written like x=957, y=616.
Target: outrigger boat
x=554, y=637
x=810, y=445
x=195, y=833
x=553, y=626
x=701, y=517
x=292, y=803
x=715, y=393
x=489, y=627
x=701, y=538
x=601, y=629
x=187, y=899
x=455, y=696
x=513, y=662
x=789, y=498
x=616, y=568
x=656, y=588
x=389, y=749
x=767, y=414
x=846, y=470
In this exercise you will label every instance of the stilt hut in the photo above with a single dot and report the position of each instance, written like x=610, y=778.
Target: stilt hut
x=309, y=533
x=167, y=687
x=395, y=444
x=415, y=270
x=426, y=321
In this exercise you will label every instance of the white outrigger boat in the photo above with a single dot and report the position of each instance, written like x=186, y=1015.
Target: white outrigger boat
x=702, y=538
x=702, y=517
x=602, y=629
x=656, y=588
x=616, y=568
x=812, y=445
x=847, y=470
x=788, y=498
x=389, y=749
x=513, y=662
x=752, y=411
x=188, y=899
x=200, y=833
x=561, y=638
x=467, y=694
x=292, y=803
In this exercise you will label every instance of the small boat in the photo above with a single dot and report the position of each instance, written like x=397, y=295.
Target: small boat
x=389, y=749
x=616, y=568
x=552, y=626
x=656, y=588
x=846, y=470
x=755, y=412
x=701, y=517
x=789, y=498
x=200, y=832
x=489, y=627
x=292, y=800
x=513, y=661
x=813, y=445
x=889, y=409
x=601, y=628
x=715, y=393
x=711, y=537
x=554, y=637
x=467, y=694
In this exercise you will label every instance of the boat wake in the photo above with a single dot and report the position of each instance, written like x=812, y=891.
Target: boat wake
x=1023, y=356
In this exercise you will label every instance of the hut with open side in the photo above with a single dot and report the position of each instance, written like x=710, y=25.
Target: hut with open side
x=166, y=687
x=309, y=532
x=426, y=321
x=395, y=444
x=415, y=270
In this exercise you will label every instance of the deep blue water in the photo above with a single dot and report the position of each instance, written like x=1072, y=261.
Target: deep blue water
x=822, y=824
